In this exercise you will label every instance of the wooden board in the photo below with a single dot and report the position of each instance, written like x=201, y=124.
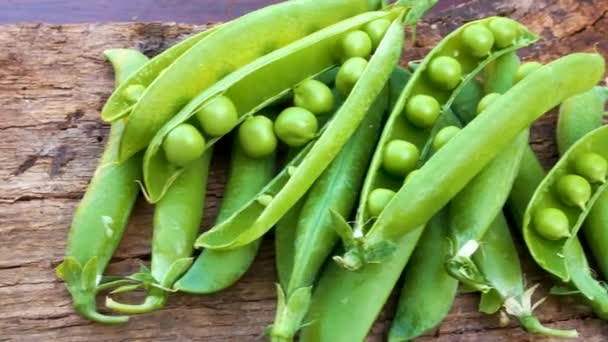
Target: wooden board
x=53, y=83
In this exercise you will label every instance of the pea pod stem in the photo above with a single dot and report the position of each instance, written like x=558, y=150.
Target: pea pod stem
x=98, y=224
x=450, y=169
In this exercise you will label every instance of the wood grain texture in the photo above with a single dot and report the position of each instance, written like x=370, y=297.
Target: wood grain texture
x=53, y=83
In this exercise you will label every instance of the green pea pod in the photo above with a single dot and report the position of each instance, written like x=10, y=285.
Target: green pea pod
x=313, y=54
x=474, y=208
x=335, y=191
x=580, y=115
x=216, y=270
x=257, y=218
x=126, y=95
x=255, y=36
x=177, y=218
x=582, y=282
x=452, y=167
x=465, y=104
x=498, y=261
x=549, y=253
x=428, y=291
x=98, y=224
x=500, y=74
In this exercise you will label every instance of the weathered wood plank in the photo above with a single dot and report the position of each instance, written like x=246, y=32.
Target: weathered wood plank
x=53, y=82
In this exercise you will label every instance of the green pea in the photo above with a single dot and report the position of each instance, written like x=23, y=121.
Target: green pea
x=526, y=69
x=134, y=92
x=218, y=117
x=505, y=31
x=356, y=44
x=376, y=30
x=552, y=224
x=400, y=157
x=314, y=96
x=573, y=190
x=349, y=74
x=410, y=176
x=443, y=136
x=445, y=72
x=296, y=126
x=422, y=110
x=256, y=136
x=486, y=101
x=478, y=39
x=378, y=199
x=592, y=166
x=183, y=145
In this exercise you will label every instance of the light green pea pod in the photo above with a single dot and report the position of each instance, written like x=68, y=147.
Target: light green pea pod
x=334, y=193
x=255, y=36
x=498, y=261
x=465, y=104
x=548, y=253
x=582, y=283
x=428, y=291
x=177, y=218
x=99, y=223
x=214, y=271
x=500, y=74
x=255, y=218
x=451, y=168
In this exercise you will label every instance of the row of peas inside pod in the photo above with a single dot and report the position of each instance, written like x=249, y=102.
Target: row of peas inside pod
x=443, y=73
x=295, y=126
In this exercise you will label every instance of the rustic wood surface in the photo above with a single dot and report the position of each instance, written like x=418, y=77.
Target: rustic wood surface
x=53, y=83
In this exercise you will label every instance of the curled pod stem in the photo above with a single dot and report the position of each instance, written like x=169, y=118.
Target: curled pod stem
x=98, y=224
x=214, y=271
x=177, y=218
x=498, y=261
x=450, y=169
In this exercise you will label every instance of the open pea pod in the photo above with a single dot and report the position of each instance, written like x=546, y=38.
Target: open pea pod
x=433, y=98
x=127, y=94
x=253, y=87
x=561, y=204
x=251, y=37
x=259, y=216
x=467, y=153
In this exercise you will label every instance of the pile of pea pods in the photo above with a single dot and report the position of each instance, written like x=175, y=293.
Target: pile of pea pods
x=368, y=172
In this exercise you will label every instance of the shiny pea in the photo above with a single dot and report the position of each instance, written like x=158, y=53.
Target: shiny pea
x=400, y=157
x=505, y=31
x=296, y=126
x=478, y=39
x=526, y=69
x=356, y=44
x=378, y=199
x=486, y=101
x=314, y=96
x=422, y=110
x=573, y=190
x=218, y=117
x=445, y=72
x=349, y=74
x=551, y=224
x=183, y=145
x=256, y=136
x=376, y=30
x=592, y=166
x=443, y=136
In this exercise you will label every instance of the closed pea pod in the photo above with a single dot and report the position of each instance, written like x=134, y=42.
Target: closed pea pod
x=450, y=169
x=255, y=219
x=336, y=190
x=177, y=218
x=313, y=55
x=423, y=107
x=212, y=59
x=548, y=253
x=582, y=281
x=214, y=271
x=98, y=224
